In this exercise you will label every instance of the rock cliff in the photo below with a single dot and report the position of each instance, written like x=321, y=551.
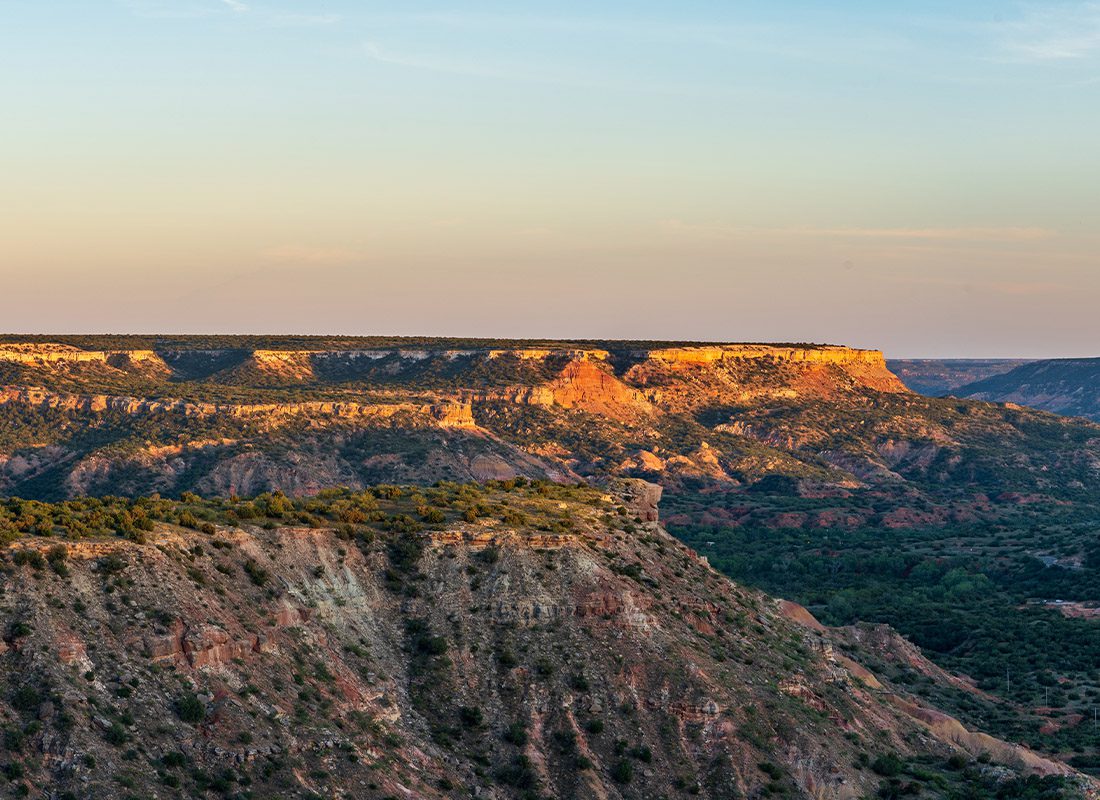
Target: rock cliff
x=484, y=657
x=451, y=414
x=38, y=355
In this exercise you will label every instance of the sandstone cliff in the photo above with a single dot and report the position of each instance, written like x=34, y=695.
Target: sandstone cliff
x=454, y=414
x=333, y=366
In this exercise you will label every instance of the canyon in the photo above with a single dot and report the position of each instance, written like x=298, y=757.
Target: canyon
x=689, y=411
x=370, y=500
x=491, y=657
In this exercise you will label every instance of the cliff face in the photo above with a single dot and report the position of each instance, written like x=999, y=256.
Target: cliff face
x=583, y=385
x=449, y=414
x=283, y=365
x=37, y=355
x=693, y=378
x=825, y=354
x=487, y=658
x=412, y=367
x=301, y=419
x=730, y=389
x=686, y=378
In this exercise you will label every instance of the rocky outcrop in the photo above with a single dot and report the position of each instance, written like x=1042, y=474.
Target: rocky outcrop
x=824, y=354
x=796, y=613
x=589, y=383
x=292, y=365
x=478, y=539
x=39, y=355
x=71, y=650
x=539, y=354
x=446, y=414
x=638, y=496
x=585, y=385
x=453, y=415
x=865, y=368
x=203, y=646
x=298, y=366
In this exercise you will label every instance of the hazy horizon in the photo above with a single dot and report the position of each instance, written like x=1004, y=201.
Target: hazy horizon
x=925, y=182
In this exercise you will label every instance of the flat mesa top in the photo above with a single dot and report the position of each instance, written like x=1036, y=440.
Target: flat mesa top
x=293, y=342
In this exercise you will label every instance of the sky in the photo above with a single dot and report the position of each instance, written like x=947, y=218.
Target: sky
x=923, y=178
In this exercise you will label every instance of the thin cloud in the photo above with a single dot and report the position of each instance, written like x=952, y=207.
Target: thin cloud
x=236, y=6
x=1009, y=234
x=959, y=234
x=1065, y=32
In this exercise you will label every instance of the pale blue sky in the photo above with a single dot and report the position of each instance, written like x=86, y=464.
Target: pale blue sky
x=921, y=177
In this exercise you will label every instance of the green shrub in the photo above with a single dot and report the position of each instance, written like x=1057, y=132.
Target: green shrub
x=431, y=645
x=13, y=739
x=257, y=574
x=26, y=698
x=519, y=773
x=111, y=564
x=622, y=772
x=887, y=765
x=470, y=716
x=19, y=629
x=771, y=770
x=174, y=760
x=190, y=709
x=116, y=735
x=516, y=734
x=57, y=556
x=433, y=516
x=29, y=557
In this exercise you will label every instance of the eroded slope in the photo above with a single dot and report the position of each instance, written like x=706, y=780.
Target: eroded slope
x=503, y=642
